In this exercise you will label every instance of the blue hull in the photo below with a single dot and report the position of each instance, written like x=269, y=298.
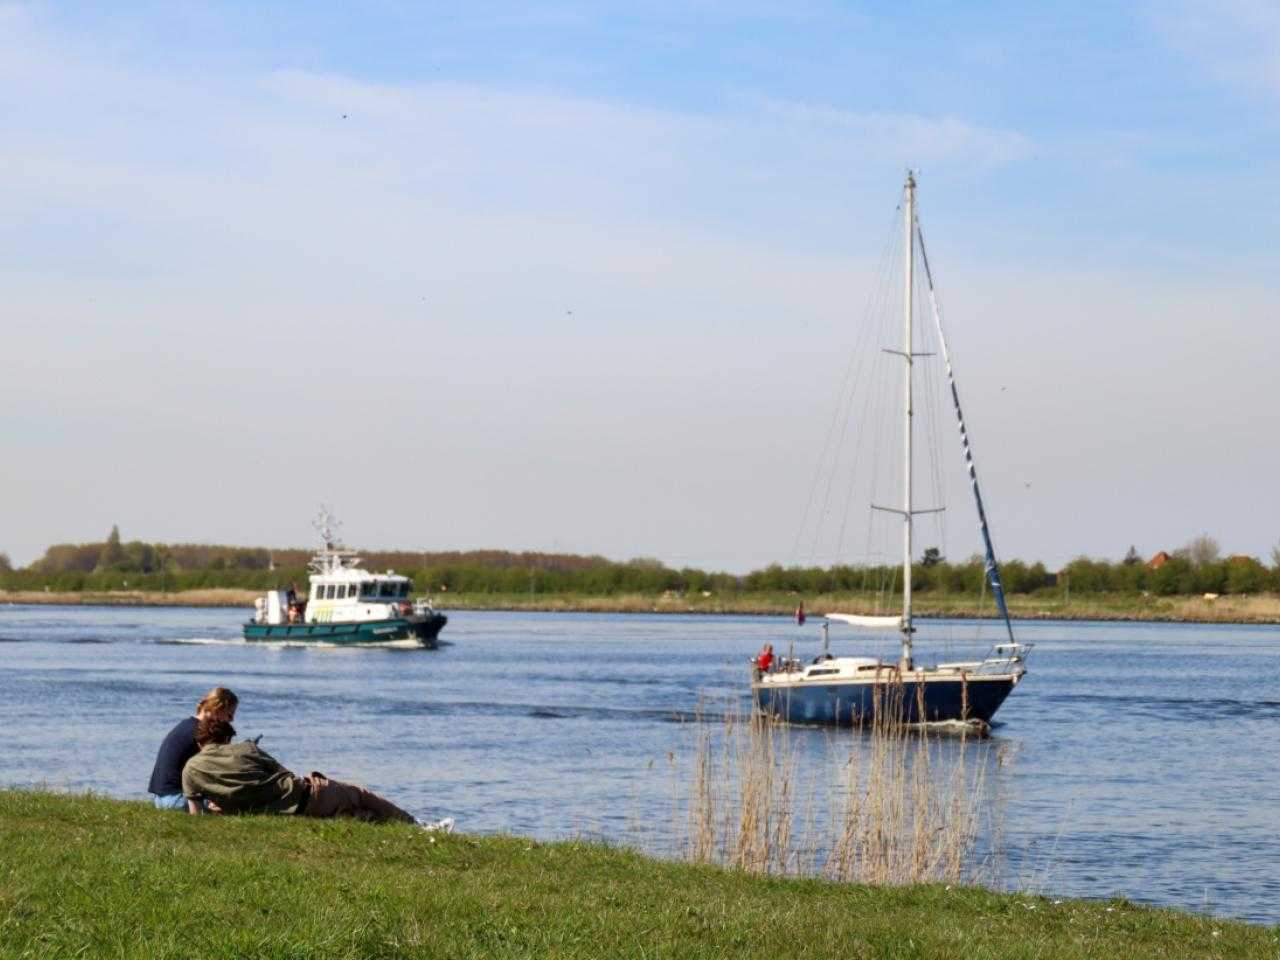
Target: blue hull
x=854, y=704
x=371, y=631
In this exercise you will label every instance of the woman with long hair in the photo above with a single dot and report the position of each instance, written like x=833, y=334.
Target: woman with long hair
x=179, y=746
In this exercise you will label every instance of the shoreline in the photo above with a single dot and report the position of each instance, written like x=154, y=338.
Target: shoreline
x=1243, y=610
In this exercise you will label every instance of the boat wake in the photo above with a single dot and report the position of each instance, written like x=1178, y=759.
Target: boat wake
x=1182, y=708
x=200, y=641
x=409, y=644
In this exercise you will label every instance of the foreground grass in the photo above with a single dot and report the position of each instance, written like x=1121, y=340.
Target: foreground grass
x=85, y=876
x=1264, y=608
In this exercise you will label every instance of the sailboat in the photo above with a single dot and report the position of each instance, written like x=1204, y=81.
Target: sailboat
x=857, y=690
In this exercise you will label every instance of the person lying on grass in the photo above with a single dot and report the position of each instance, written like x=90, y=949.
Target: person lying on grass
x=243, y=778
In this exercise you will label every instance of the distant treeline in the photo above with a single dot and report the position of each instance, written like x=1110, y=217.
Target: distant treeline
x=135, y=565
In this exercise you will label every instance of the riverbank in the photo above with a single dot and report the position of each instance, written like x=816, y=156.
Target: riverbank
x=90, y=876
x=1263, y=609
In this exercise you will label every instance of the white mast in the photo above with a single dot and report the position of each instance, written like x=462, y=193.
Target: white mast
x=909, y=225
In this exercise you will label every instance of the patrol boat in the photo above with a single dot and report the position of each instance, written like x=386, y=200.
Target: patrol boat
x=853, y=691
x=346, y=605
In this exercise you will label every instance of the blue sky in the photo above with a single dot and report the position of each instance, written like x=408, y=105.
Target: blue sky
x=583, y=277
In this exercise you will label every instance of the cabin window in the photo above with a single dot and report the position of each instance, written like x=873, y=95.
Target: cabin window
x=344, y=591
x=821, y=673
x=317, y=592
x=369, y=589
x=388, y=590
x=328, y=592
x=404, y=589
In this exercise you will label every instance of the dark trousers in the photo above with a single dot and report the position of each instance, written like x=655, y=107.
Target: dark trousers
x=333, y=798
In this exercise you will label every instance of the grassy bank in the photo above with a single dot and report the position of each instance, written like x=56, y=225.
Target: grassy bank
x=216, y=597
x=86, y=876
x=1109, y=606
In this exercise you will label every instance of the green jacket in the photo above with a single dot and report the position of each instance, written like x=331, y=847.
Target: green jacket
x=241, y=778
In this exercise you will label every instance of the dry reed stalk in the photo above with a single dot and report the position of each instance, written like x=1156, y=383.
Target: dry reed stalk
x=897, y=815
x=702, y=811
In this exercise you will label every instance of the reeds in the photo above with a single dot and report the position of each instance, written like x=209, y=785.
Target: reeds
x=203, y=597
x=743, y=805
x=887, y=805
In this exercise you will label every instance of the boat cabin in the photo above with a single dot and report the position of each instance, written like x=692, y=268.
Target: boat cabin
x=352, y=595
x=827, y=667
x=345, y=595
x=359, y=586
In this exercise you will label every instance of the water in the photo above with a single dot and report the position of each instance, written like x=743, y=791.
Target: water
x=1136, y=759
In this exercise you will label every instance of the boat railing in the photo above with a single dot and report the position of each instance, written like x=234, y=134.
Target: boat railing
x=1005, y=658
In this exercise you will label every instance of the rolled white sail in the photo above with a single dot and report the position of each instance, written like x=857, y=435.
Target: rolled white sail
x=874, y=623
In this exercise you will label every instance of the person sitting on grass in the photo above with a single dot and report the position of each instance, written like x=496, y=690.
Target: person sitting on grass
x=243, y=778
x=179, y=746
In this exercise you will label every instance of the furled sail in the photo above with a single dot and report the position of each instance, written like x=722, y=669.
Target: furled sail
x=993, y=568
x=875, y=623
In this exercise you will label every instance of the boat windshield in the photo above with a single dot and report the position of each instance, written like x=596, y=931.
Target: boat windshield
x=385, y=589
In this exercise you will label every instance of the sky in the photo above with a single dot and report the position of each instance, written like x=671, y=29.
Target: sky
x=584, y=277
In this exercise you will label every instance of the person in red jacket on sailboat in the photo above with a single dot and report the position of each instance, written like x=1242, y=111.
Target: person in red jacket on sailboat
x=764, y=661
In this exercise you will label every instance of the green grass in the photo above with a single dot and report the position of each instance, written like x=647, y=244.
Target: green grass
x=86, y=876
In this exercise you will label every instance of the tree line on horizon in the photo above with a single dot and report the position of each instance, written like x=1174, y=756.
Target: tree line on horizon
x=113, y=564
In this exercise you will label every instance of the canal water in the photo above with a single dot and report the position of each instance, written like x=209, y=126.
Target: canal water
x=1135, y=759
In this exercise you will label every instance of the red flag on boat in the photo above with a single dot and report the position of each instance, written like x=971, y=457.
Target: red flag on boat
x=800, y=615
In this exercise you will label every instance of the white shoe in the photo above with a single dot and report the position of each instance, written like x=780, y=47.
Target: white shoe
x=437, y=826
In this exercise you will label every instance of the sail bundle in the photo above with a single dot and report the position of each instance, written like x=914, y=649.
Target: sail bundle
x=992, y=567
x=874, y=623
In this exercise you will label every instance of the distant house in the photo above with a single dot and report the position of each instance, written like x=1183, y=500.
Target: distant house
x=1158, y=561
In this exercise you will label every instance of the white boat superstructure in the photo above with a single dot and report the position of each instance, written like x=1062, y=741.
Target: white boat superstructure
x=344, y=592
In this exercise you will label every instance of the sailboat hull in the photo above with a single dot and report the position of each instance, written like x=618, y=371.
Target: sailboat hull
x=910, y=701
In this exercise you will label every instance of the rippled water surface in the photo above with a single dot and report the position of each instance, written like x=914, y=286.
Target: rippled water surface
x=1135, y=759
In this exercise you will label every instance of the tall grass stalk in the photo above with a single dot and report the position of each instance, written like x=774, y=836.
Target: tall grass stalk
x=895, y=812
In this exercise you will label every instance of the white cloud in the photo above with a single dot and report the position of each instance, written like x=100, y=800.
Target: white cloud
x=1236, y=41
x=911, y=137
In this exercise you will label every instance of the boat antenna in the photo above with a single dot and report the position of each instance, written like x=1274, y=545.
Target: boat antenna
x=327, y=526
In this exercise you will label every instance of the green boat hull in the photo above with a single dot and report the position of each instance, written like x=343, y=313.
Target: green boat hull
x=398, y=630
